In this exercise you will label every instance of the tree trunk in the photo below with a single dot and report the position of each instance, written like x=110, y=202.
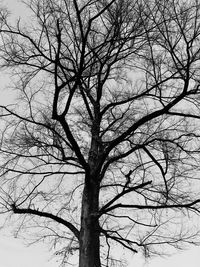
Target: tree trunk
x=89, y=252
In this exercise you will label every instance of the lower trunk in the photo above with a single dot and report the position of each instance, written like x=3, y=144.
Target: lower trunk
x=89, y=252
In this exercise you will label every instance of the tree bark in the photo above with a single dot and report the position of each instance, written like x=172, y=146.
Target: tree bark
x=89, y=252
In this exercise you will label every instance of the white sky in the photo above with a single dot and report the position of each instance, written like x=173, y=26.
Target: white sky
x=13, y=253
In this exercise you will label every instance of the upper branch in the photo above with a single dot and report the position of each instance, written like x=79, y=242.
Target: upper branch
x=73, y=142
x=149, y=117
x=124, y=192
x=185, y=205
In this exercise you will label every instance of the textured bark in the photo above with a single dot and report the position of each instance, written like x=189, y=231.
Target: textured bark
x=89, y=252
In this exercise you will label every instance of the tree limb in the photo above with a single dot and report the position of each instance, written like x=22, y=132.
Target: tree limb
x=186, y=205
x=69, y=225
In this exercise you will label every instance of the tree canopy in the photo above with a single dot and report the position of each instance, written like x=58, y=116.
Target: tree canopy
x=100, y=150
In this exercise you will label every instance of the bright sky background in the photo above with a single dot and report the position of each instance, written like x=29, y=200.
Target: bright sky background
x=14, y=253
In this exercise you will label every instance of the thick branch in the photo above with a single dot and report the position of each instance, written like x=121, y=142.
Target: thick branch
x=122, y=241
x=69, y=225
x=73, y=143
x=124, y=192
x=186, y=205
x=147, y=118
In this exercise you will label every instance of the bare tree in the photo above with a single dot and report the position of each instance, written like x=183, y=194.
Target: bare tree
x=101, y=148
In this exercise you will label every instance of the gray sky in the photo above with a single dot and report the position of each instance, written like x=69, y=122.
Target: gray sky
x=13, y=253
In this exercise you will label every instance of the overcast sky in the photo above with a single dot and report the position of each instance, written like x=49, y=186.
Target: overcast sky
x=13, y=253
